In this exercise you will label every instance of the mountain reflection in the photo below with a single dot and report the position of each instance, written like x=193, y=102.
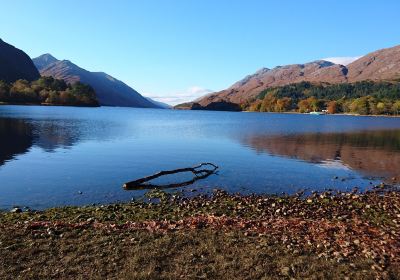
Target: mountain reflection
x=16, y=137
x=373, y=153
x=50, y=135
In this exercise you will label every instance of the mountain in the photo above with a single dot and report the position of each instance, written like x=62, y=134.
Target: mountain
x=15, y=64
x=252, y=85
x=377, y=66
x=109, y=90
x=44, y=60
x=160, y=104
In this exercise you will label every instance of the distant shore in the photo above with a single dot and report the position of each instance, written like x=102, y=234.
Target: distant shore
x=222, y=236
x=296, y=113
x=336, y=114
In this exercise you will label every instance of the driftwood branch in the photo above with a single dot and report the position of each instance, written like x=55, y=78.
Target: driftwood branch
x=143, y=183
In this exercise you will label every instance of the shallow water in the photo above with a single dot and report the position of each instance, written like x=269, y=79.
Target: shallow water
x=48, y=155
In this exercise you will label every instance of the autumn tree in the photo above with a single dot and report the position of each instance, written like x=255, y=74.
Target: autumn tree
x=268, y=104
x=22, y=92
x=304, y=106
x=4, y=91
x=255, y=106
x=360, y=106
x=332, y=107
x=396, y=107
x=283, y=104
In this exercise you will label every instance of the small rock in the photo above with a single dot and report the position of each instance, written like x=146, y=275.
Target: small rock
x=285, y=270
x=16, y=210
x=79, y=192
x=80, y=217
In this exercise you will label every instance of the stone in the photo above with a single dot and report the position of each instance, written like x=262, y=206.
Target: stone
x=16, y=210
x=285, y=270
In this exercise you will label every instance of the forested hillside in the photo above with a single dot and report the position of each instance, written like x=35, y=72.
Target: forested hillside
x=364, y=97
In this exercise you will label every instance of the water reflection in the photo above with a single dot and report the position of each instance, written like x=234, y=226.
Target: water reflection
x=16, y=137
x=51, y=135
x=374, y=153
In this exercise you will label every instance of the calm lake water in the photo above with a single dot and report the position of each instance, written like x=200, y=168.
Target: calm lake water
x=48, y=155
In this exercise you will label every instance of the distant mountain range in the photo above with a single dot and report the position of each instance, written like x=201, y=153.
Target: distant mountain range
x=381, y=65
x=15, y=64
x=109, y=90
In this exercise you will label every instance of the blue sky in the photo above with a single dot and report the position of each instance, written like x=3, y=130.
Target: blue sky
x=178, y=49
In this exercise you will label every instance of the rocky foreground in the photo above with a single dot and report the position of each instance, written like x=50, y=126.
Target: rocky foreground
x=328, y=235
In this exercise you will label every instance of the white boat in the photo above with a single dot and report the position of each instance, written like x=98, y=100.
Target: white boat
x=317, y=113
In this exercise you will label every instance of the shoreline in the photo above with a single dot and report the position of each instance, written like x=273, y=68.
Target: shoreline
x=294, y=113
x=336, y=114
x=333, y=233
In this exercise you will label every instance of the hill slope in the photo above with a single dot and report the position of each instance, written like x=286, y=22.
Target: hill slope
x=380, y=65
x=109, y=91
x=15, y=64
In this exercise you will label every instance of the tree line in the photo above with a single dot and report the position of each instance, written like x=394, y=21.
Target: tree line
x=366, y=98
x=47, y=90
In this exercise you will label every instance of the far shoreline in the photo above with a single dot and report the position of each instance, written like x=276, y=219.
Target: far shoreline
x=291, y=112
x=336, y=114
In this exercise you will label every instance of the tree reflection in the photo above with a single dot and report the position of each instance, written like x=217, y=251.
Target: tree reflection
x=373, y=153
x=16, y=137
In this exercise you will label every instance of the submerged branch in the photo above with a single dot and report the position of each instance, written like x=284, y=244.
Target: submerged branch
x=143, y=183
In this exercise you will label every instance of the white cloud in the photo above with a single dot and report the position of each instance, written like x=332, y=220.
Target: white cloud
x=190, y=94
x=342, y=60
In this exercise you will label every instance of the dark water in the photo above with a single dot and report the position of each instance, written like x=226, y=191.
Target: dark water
x=49, y=154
